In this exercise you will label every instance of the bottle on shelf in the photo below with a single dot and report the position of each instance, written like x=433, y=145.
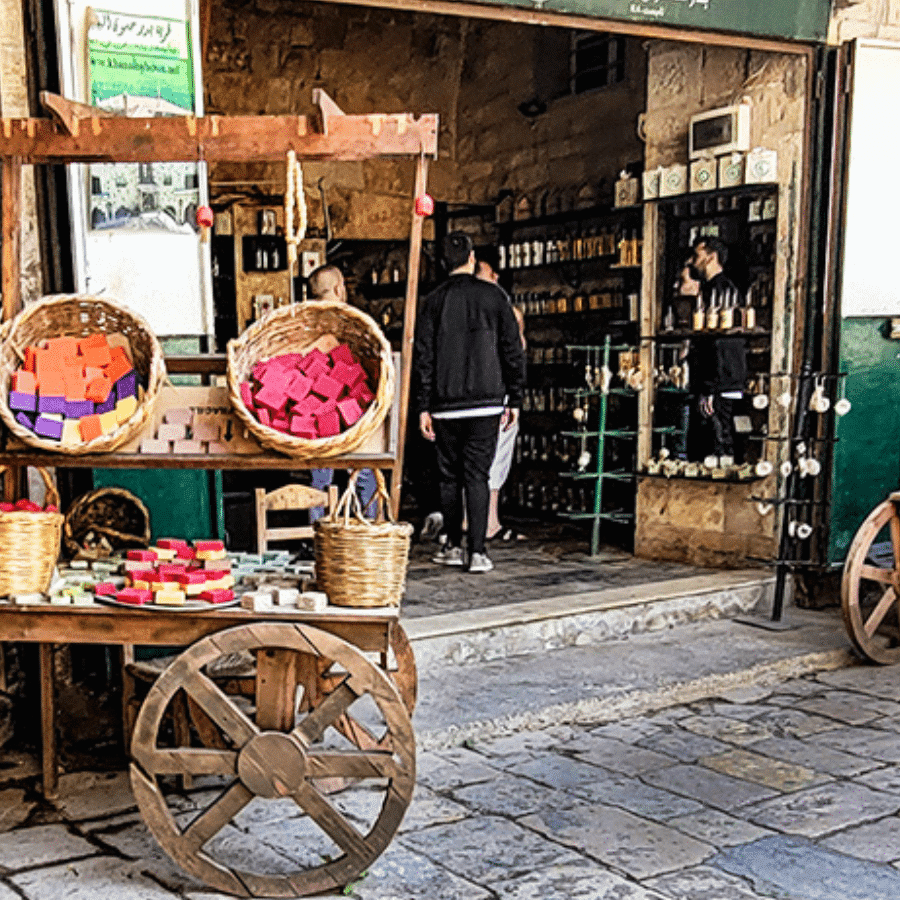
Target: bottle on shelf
x=726, y=314
x=712, y=314
x=698, y=319
x=749, y=315
x=501, y=256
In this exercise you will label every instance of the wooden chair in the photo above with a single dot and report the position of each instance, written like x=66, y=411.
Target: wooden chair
x=293, y=497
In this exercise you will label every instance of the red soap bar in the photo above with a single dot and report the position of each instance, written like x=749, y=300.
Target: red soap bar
x=187, y=553
x=329, y=406
x=105, y=589
x=119, y=365
x=51, y=508
x=170, y=570
x=247, y=394
x=328, y=424
x=350, y=411
x=325, y=386
x=25, y=505
x=30, y=363
x=348, y=375
x=191, y=578
x=135, y=596
x=210, y=544
x=90, y=428
x=299, y=387
x=66, y=347
x=171, y=543
x=24, y=382
x=98, y=389
x=141, y=555
x=143, y=574
x=6, y=507
x=343, y=353
x=303, y=426
x=219, y=595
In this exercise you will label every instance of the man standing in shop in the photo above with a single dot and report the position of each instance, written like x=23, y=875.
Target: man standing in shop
x=718, y=362
x=469, y=360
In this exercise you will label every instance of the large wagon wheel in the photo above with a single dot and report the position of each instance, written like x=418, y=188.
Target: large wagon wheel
x=870, y=589
x=271, y=753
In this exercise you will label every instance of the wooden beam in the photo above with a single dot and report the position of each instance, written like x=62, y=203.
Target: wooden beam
x=69, y=113
x=218, y=138
x=49, y=765
x=10, y=235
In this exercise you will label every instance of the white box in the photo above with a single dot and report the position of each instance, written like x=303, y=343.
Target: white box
x=731, y=170
x=651, y=183
x=704, y=174
x=673, y=180
x=762, y=166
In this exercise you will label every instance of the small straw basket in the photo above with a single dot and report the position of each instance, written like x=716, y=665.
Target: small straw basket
x=360, y=562
x=110, y=512
x=29, y=545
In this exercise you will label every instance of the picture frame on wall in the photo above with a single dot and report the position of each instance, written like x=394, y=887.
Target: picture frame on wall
x=268, y=221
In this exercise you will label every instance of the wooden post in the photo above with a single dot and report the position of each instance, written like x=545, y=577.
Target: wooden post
x=48, y=722
x=409, y=330
x=11, y=236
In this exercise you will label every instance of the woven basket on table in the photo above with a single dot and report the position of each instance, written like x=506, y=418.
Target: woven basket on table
x=360, y=562
x=109, y=512
x=292, y=329
x=79, y=315
x=29, y=545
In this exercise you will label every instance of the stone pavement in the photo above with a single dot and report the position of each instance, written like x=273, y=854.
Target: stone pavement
x=788, y=791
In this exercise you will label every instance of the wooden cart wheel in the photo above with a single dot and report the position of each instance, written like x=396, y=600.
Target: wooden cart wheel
x=273, y=754
x=871, y=585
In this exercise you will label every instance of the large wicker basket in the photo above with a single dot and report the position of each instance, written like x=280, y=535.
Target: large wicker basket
x=360, y=562
x=29, y=545
x=292, y=329
x=111, y=513
x=79, y=315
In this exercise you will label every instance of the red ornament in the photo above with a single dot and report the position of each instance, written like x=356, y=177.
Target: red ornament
x=205, y=217
x=424, y=205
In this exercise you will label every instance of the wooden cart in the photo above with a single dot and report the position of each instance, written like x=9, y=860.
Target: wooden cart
x=328, y=706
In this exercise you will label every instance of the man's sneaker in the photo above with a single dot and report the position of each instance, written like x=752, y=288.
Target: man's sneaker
x=480, y=563
x=449, y=556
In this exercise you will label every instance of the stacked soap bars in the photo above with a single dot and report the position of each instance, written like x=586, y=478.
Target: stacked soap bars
x=174, y=571
x=312, y=395
x=74, y=390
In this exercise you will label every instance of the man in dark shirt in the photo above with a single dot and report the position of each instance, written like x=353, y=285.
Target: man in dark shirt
x=471, y=372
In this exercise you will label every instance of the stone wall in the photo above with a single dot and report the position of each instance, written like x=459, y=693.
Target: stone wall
x=266, y=57
x=865, y=19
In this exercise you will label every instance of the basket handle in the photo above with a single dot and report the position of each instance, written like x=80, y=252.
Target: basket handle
x=351, y=504
x=52, y=496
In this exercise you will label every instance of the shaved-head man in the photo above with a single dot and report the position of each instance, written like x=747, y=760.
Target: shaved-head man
x=327, y=283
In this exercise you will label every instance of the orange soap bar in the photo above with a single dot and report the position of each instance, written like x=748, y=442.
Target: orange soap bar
x=98, y=389
x=90, y=427
x=52, y=384
x=95, y=356
x=24, y=382
x=92, y=340
x=30, y=363
x=64, y=347
x=75, y=385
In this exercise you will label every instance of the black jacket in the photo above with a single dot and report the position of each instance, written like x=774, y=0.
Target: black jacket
x=468, y=350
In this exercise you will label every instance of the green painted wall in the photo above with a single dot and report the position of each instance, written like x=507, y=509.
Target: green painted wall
x=867, y=454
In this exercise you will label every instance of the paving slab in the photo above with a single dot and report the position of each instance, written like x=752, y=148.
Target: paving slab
x=851, y=707
x=705, y=883
x=620, y=839
x=876, y=841
x=877, y=744
x=509, y=796
x=41, y=844
x=817, y=757
x=615, y=789
x=452, y=768
x=765, y=770
x=584, y=880
x=14, y=808
x=719, y=791
x=683, y=745
x=793, y=722
x=90, y=795
x=724, y=728
x=799, y=869
x=879, y=681
x=717, y=828
x=619, y=756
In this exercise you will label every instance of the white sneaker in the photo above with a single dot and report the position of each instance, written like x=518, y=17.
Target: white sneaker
x=434, y=522
x=449, y=556
x=480, y=563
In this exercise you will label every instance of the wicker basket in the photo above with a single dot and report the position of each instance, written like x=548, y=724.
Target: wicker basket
x=360, y=562
x=78, y=315
x=291, y=329
x=29, y=545
x=109, y=512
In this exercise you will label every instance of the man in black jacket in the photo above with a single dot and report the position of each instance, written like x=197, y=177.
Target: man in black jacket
x=471, y=371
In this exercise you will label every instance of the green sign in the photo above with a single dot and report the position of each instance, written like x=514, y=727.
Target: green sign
x=805, y=20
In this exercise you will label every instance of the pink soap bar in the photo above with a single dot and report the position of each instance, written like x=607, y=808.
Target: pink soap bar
x=327, y=387
x=141, y=555
x=247, y=394
x=191, y=578
x=168, y=570
x=143, y=575
x=219, y=595
x=105, y=589
x=319, y=367
x=171, y=543
x=187, y=553
x=299, y=387
x=308, y=406
x=135, y=596
x=303, y=426
x=350, y=411
x=179, y=416
x=281, y=424
x=264, y=417
x=259, y=371
x=342, y=353
x=362, y=395
x=314, y=357
x=343, y=373
x=272, y=394
x=209, y=544
x=328, y=424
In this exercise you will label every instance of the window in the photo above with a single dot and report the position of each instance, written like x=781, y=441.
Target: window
x=191, y=181
x=96, y=186
x=597, y=61
x=145, y=173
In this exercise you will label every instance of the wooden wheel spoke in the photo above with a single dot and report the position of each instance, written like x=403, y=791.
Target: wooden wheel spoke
x=220, y=708
x=217, y=816
x=350, y=764
x=874, y=573
x=895, y=536
x=357, y=733
x=331, y=821
x=189, y=761
x=881, y=610
x=325, y=714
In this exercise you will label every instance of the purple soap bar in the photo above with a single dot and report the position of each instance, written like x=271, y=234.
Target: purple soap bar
x=52, y=405
x=108, y=405
x=75, y=409
x=126, y=386
x=25, y=421
x=49, y=428
x=26, y=402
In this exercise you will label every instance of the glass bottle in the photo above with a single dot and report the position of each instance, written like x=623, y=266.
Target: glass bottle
x=712, y=314
x=698, y=320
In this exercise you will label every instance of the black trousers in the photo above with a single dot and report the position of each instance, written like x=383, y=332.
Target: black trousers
x=465, y=451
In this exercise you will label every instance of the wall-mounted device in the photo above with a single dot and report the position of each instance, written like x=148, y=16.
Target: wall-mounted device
x=720, y=131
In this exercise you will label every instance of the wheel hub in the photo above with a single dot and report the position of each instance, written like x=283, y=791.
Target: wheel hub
x=272, y=765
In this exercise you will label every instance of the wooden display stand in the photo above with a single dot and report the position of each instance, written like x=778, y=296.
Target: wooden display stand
x=275, y=752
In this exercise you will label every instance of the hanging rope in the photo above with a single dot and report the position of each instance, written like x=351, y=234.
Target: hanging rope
x=294, y=203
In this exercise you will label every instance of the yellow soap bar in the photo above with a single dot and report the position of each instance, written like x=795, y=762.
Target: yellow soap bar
x=159, y=585
x=125, y=409
x=141, y=585
x=164, y=553
x=169, y=598
x=108, y=421
x=226, y=581
x=193, y=589
x=71, y=434
x=212, y=554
